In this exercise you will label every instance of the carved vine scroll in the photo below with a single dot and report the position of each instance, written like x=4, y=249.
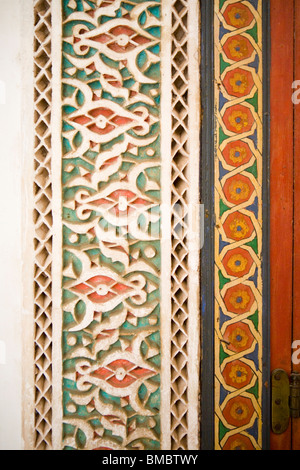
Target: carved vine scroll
x=110, y=63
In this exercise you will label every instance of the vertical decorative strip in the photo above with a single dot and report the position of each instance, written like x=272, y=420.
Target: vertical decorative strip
x=116, y=180
x=179, y=226
x=184, y=207
x=111, y=224
x=166, y=242
x=43, y=225
x=195, y=232
x=238, y=232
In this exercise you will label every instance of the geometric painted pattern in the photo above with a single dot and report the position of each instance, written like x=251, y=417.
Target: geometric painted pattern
x=238, y=232
x=43, y=219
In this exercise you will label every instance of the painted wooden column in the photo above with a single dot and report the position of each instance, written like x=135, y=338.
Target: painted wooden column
x=240, y=225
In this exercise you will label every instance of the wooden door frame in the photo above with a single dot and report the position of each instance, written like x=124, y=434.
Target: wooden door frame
x=284, y=197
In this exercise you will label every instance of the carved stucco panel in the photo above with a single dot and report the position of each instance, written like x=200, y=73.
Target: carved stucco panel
x=116, y=174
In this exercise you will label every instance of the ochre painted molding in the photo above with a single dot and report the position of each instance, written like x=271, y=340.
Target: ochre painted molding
x=238, y=234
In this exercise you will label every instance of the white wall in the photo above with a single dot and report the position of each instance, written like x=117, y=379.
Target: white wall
x=13, y=50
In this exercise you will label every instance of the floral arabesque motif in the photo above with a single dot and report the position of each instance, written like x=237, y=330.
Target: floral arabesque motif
x=111, y=196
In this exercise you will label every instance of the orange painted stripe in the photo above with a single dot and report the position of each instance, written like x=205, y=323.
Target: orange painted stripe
x=281, y=193
x=296, y=271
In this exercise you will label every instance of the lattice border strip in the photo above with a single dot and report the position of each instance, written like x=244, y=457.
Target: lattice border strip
x=185, y=226
x=185, y=207
x=43, y=225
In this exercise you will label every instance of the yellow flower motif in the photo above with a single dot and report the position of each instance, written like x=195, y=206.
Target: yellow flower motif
x=238, y=338
x=237, y=154
x=238, y=120
x=239, y=190
x=238, y=374
x=237, y=263
x=238, y=48
x=238, y=17
x=239, y=228
x=240, y=299
x=239, y=411
x=239, y=83
x=238, y=444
